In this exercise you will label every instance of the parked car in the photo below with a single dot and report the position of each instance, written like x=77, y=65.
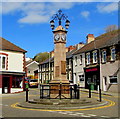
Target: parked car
x=33, y=83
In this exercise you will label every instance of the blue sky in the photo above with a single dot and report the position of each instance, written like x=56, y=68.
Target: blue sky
x=26, y=24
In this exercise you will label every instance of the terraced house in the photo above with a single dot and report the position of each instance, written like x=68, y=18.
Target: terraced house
x=12, y=66
x=100, y=62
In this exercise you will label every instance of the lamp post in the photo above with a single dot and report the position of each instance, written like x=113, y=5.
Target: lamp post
x=59, y=16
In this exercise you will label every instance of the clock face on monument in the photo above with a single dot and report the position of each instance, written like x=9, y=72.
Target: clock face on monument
x=63, y=37
x=57, y=37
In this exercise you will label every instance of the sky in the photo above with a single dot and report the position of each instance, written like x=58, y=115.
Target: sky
x=26, y=24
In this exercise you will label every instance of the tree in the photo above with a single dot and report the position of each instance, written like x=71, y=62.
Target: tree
x=110, y=28
x=40, y=57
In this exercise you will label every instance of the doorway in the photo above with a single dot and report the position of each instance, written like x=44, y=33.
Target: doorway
x=6, y=85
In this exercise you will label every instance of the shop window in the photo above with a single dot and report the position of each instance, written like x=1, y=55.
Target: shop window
x=104, y=58
x=95, y=57
x=81, y=78
x=113, y=55
x=113, y=79
x=80, y=59
x=3, y=62
x=88, y=58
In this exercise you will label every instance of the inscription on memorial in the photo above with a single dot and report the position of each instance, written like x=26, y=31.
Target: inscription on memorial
x=63, y=67
x=57, y=69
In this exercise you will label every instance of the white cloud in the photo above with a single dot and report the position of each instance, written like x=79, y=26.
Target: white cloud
x=111, y=7
x=34, y=18
x=85, y=14
x=11, y=7
x=34, y=12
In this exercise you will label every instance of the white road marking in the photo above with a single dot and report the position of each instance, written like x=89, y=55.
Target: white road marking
x=73, y=114
x=62, y=112
x=92, y=115
x=104, y=116
x=69, y=112
x=84, y=116
x=79, y=113
x=3, y=105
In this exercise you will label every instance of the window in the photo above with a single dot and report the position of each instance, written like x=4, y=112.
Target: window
x=80, y=59
x=113, y=79
x=2, y=62
x=113, y=55
x=88, y=58
x=94, y=56
x=104, y=59
x=76, y=61
x=81, y=78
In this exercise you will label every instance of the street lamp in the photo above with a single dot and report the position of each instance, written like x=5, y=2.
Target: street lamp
x=59, y=16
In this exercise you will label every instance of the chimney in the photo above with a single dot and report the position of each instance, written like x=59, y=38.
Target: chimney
x=90, y=37
x=80, y=45
x=70, y=48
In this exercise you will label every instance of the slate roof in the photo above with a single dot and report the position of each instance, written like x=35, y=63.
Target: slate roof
x=100, y=42
x=7, y=45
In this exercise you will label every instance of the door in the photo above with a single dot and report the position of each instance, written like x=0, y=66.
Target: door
x=6, y=85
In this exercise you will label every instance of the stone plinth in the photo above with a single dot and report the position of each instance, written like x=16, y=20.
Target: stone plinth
x=57, y=88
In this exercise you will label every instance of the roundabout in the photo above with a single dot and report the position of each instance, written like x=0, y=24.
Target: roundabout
x=61, y=106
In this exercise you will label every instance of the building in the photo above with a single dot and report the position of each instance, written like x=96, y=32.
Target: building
x=110, y=60
x=101, y=57
x=32, y=69
x=12, y=66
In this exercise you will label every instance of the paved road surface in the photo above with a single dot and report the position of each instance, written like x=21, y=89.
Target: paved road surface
x=101, y=113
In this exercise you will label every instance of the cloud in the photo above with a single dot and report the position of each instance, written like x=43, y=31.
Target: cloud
x=11, y=7
x=31, y=19
x=111, y=7
x=85, y=14
x=34, y=12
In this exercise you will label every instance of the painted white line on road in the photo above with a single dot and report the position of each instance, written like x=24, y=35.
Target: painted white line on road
x=69, y=112
x=73, y=114
x=92, y=115
x=84, y=116
x=3, y=105
x=62, y=112
x=104, y=116
x=79, y=113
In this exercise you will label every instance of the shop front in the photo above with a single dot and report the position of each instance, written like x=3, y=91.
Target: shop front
x=92, y=77
x=9, y=81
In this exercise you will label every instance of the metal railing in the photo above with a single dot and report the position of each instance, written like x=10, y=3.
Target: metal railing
x=72, y=92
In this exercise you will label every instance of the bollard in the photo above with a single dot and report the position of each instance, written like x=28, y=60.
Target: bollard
x=78, y=94
x=89, y=91
x=75, y=90
x=100, y=95
x=42, y=91
x=60, y=94
x=26, y=94
x=70, y=92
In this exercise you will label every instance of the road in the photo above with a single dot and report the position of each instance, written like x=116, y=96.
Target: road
x=8, y=110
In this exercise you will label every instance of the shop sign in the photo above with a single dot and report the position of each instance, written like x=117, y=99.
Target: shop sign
x=93, y=69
